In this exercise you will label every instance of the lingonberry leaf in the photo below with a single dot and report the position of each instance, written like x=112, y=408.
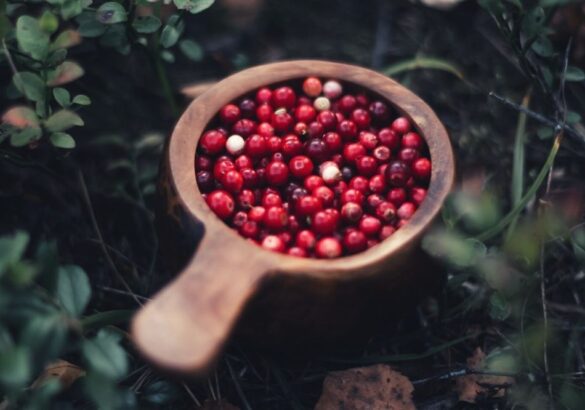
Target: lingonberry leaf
x=31, y=38
x=191, y=49
x=169, y=36
x=62, y=97
x=105, y=356
x=81, y=99
x=146, y=24
x=111, y=13
x=66, y=39
x=20, y=117
x=30, y=84
x=193, y=6
x=574, y=74
x=65, y=73
x=48, y=22
x=63, y=120
x=62, y=140
x=73, y=289
x=25, y=136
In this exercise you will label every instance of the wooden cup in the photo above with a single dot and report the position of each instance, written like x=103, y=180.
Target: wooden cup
x=276, y=300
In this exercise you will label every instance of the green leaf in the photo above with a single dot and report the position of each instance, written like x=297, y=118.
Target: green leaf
x=62, y=97
x=63, y=120
x=30, y=84
x=160, y=393
x=169, y=36
x=73, y=289
x=31, y=38
x=65, y=73
x=12, y=248
x=423, y=63
x=573, y=117
x=15, y=369
x=71, y=8
x=574, y=74
x=21, y=117
x=105, y=356
x=45, y=337
x=545, y=133
x=81, y=99
x=191, y=49
x=543, y=47
x=57, y=57
x=533, y=22
x=66, y=39
x=48, y=22
x=167, y=56
x=193, y=6
x=25, y=136
x=111, y=13
x=89, y=26
x=62, y=140
x=146, y=24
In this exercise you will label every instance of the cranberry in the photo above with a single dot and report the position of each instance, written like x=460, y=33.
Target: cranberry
x=284, y=97
x=301, y=129
x=276, y=173
x=213, y=142
x=264, y=96
x=239, y=219
x=332, y=89
x=250, y=178
x=373, y=201
x=327, y=119
x=412, y=140
x=325, y=194
x=270, y=199
x=333, y=141
x=303, y=100
x=296, y=251
x=401, y=125
x=382, y=153
x=282, y=121
x=408, y=155
x=366, y=165
x=221, y=203
x=264, y=112
x=308, y=205
x=256, y=214
x=243, y=162
x=347, y=104
x=285, y=237
x=351, y=212
x=293, y=224
x=316, y=150
x=421, y=168
x=328, y=248
x=249, y=229
x=291, y=145
x=397, y=196
x=368, y=140
x=361, y=118
x=377, y=184
x=273, y=243
x=246, y=199
x=324, y=223
x=256, y=146
x=406, y=210
x=244, y=127
x=351, y=152
x=354, y=241
x=370, y=225
x=229, y=114
x=300, y=166
x=386, y=231
x=385, y=211
x=305, y=113
x=389, y=138
x=312, y=86
x=347, y=129
x=339, y=188
x=233, y=181
x=275, y=218
x=312, y=182
x=352, y=195
x=360, y=183
x=274, y=145
x=221, y=168
x=203, y=163
x=372, y=242
x=315, y=129
x=417, y=195
x=379, y=111
x=397, y=173
x=265, y=130
x=205, y=181
x=306, y=239
x=247, y=107
x=362, y=100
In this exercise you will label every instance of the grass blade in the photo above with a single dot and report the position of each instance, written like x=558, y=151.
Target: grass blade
x=416, y=63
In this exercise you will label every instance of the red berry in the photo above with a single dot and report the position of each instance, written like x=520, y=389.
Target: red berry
x=229, y=114
x=305, y=240
x=315, y=129
x=316, y=150
x=246, y=199
x=351, y=152
x=386, y=231
x=373, y=201
x=244, y=127
x=300, y=166
x=360, y=183
x=205, y=181
x=256, y=214
x=333, y=141
x=406, y=210
x=248, y=108
x=284, y=97
x=276, y=173
x=347, y=129
x=243, y=162
x=377, y=184
x=421, y=168
x=273, y=243
x=296, y=251
x=274, y=144
x=305, y=113
x=379, y=111
x=213, y=142
x=308, y=205
x=312, y=182
x=389, y=138
x=351, y=212
x=291, y=145
x=264, y=96
x=361, y=118
x=368, y=140
x=249, y=229
x=325, y=194
x=275, y=218
x=382, y=153
x=239, y=219
x=270, y=199
x=370, y=226
x=233, y=181
x=221, y=203
x=250, y=178
x=203, y=163
x=281, y=120
x=339, y=188
x=328, y=248
x=417, y=195
x=408, y=155
x=354, y=241
x=347, y=103
x=256, y=146
x=264, y=112
x=401, y=125
x=412, y=140
x=366, y=165
x=265, y=129
x=285, y=237
x=372, y=242
x=221, y=168
x=397, y=174
x=324, y=223
x=312, y=86
x=327, y=119
x=397, y=196
x=301, y=129
x=362, y=100
x=385, y=211
x=352, y=195
x=293, y=224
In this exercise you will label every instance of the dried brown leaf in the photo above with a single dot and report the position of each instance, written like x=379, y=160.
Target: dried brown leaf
x=373, y=387
x=62, y=370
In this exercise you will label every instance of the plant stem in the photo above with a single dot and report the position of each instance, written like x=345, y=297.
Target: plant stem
x=102, y=319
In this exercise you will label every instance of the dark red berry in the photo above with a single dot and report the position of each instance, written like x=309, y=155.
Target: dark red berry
x=305, y=113
x=360, y=183
x=213, y=142
x=397, y=196
x=347, y=129
x=351, y=212
x=377, y=184
x=284, y=97
x=316, y=150
x=275, y=218
x=264, y=112
x=327, y=119
x=401, y=125
x=248, y=108
x=276, y=173
x=265, y=129
x=354, y=241
x=229, y=114
x=256, y=146
x=233, y=181
x=351, y=152
x=325, y=194
x=324, y=223
x=308, y=205
x=397, y=174
x=385, y=211
x=244, y=127
x=389, y=138
x=417, y=195
x=352, y=195
x=312, y=182
x=221, y=203
x=366, y=165
x=264, y=96
x=301, y=166
x=249, y=229
x=408, y=155
x=306, y=239
x=368, y=140
x=406, y=210
x=361, y=118
x=370, y=226
x=205, y=181
x=379, y=112
x=421, y=169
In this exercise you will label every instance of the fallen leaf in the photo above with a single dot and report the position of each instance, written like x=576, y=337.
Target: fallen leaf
x=373, y=387
x=470, y=386
x=64, y=371
x=218, y=405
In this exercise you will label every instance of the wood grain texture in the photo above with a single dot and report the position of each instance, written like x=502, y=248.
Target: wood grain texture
x=273, y=299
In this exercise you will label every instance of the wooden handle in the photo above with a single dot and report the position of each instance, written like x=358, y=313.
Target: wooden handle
x=187, y=323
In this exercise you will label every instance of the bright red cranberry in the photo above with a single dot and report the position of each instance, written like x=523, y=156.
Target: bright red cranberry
x=386, y=231
x=256, y=214
x=408, y=155
x=312, y=86
x=389, y=138
x=351, y=212
x=305, y=113
x=221, y=203
x=397, y=196
x=377, y=184
x=273, y=243
x=347, y=103
x=264, y=96
x=270, y=199
x=368, y=140
x=397, y=174
x=244, y=127
x=275, y=218
x=315, y=129
x=265, y=129
x=233, y=181
x=385, y=211
x=246, y=199
x=203, y=163
x=366, y=165
x=333, y=141
x=382, y=153
x=301, y=129
x=360, y=183
x=256, y=146
x=316, y=150
x=328, y=248
x=301, y=166
x=352, y=195
x=249, y=229
x=347, y=129
x=417, y=195
x=325, y=194
x=229, y=114
x=285, y=237
x=308, y=205
x=327, y=119
x=351, y=152
x=213, y=142
x=412, y=140
x=248, y=108
x=370, y=225
x=401, y=125
x=306, y=240
x=221, y=168
x=205, y=181
x=264, y=112
x=421, y=168
x=354, y=241
x=406, y=210
x=379, y=111
x=312, y=182
x=276, y=173
x=243, y=162
x=324, y=223
x=282, y=121
x=296, y=251
x=239, y=219
x=284, y=97
x=291, y=145
x=250, y=178
x=274, y=144
x=361, y=118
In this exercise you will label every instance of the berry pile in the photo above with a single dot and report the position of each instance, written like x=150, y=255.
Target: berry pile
x=312, y=171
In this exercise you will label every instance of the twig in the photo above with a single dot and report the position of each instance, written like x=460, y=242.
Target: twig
x=9, y=58
x=192, y=395
x=98, y=232
x=239, y=390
